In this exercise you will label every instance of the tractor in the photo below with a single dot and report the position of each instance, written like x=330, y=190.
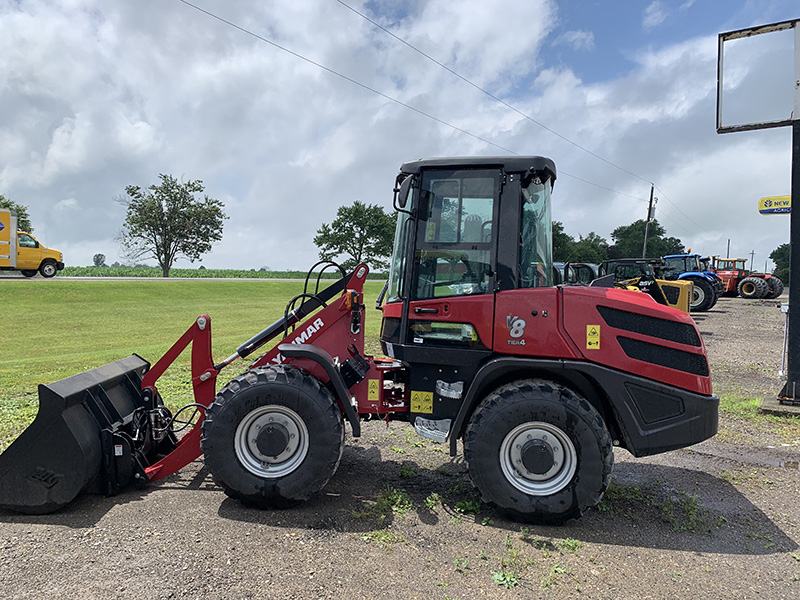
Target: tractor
x=641, y=274
x=708, y=287
x=738, y=280
x=539, y=382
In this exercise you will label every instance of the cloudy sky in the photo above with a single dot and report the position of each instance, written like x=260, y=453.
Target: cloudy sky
x=288, y=110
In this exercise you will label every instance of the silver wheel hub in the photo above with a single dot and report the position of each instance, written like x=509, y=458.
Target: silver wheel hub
x=538, y=458
x=271, y=441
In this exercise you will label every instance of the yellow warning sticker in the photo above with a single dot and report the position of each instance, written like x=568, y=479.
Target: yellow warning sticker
x=421, y=402
x=593, y=337
x=374, y=390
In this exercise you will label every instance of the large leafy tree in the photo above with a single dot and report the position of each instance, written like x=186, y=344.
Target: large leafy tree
x=780, y=256
x=362, y=233
x=563, y=243
x=167, y=221
x=23, y=218
x=590, y=249
x=628, y=240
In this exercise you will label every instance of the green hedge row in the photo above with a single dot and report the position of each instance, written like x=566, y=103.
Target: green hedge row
x=202, y=273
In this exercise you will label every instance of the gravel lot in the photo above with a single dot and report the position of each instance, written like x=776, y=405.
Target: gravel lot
x=718, y=520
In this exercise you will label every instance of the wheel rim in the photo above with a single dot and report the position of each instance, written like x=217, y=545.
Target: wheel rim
x=251, y=440
x=748, y=288
x=49, y=269
x=551, y=441
x=697, y=296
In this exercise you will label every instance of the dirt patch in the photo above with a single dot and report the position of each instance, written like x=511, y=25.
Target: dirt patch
x=400, y=519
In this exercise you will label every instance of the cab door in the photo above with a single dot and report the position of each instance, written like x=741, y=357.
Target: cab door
x=29, y=254
x=452, y=296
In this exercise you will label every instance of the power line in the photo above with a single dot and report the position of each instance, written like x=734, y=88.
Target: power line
x=426, y=114
x=395, y=100
x=345, y=77
x=525, y=116
x=488, y=93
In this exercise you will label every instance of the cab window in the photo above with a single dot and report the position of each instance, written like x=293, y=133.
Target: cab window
x=26, y=241
x=454, y=254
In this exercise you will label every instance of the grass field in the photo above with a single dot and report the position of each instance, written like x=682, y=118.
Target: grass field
x=60, y=328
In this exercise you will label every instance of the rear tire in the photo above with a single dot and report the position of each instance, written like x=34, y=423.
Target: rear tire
x=273, y=437
x=753, y=288
x=29, y=272
x=703, y=296
x=48, y=269
x=539, y=452
x=775, y=287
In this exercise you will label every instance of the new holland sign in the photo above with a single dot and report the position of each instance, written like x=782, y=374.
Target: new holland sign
x=772, y=205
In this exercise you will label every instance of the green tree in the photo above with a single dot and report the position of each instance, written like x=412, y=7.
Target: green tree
x=563, y=243
x=590, y=249
x=628, y=240
x=99, y=260
x=167, y=222
x=780, y=256
x=363, y=233
x=23, y=218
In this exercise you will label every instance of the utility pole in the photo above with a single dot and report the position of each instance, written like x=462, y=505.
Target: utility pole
x=647, y=222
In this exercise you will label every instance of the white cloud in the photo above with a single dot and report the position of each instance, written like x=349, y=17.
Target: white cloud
x=100, y=95
x=654, y=15
x=577, y=40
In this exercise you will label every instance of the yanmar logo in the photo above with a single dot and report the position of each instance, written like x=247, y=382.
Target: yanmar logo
x=303, y=337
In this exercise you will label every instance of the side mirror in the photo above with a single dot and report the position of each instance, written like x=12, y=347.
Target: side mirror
x=401, y=193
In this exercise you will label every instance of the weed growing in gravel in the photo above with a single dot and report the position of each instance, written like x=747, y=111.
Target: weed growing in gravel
x=462, y=565
x=383, y=538
x=570, y=545
x=752, y=477
x=680, y=509
x=470, y=506
x=388, y=502
x=506, y=579
x=432, y=500
x=549, y=579
x=397, y=450
x=412, y=439
x=407, y=473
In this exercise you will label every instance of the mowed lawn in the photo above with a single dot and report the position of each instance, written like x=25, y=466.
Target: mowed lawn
x=57, y=328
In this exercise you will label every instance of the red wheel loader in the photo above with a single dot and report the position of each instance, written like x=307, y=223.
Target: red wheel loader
x=538, y=381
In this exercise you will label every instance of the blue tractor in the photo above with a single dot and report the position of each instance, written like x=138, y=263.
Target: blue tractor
x=707, y=285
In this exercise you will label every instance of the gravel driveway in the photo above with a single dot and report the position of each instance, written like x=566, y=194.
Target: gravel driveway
x=400, y=519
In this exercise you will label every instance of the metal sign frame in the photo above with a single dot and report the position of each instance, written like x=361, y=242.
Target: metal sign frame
x=750, y=32
x=790, y=392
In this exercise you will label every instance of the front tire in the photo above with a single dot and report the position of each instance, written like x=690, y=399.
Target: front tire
x=48, y=269
x=703, y=296
x=539, y=452
x=775, y=287
x=753, y=288
x=273, y=437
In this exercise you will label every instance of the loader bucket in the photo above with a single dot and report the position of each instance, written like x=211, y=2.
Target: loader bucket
x=80, y=440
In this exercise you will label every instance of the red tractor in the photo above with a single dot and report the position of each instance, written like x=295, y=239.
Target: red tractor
x=539, y=382
x=739, y=280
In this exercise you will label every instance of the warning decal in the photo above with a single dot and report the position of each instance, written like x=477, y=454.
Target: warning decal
x=422, y=402
x=373, y=391
x=593, y=337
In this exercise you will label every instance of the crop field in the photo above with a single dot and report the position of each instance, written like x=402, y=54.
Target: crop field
x=59, y=328
x=200, y=273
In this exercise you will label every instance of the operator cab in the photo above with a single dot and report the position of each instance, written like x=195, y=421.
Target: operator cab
x=447, y=240
x=466, y=229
